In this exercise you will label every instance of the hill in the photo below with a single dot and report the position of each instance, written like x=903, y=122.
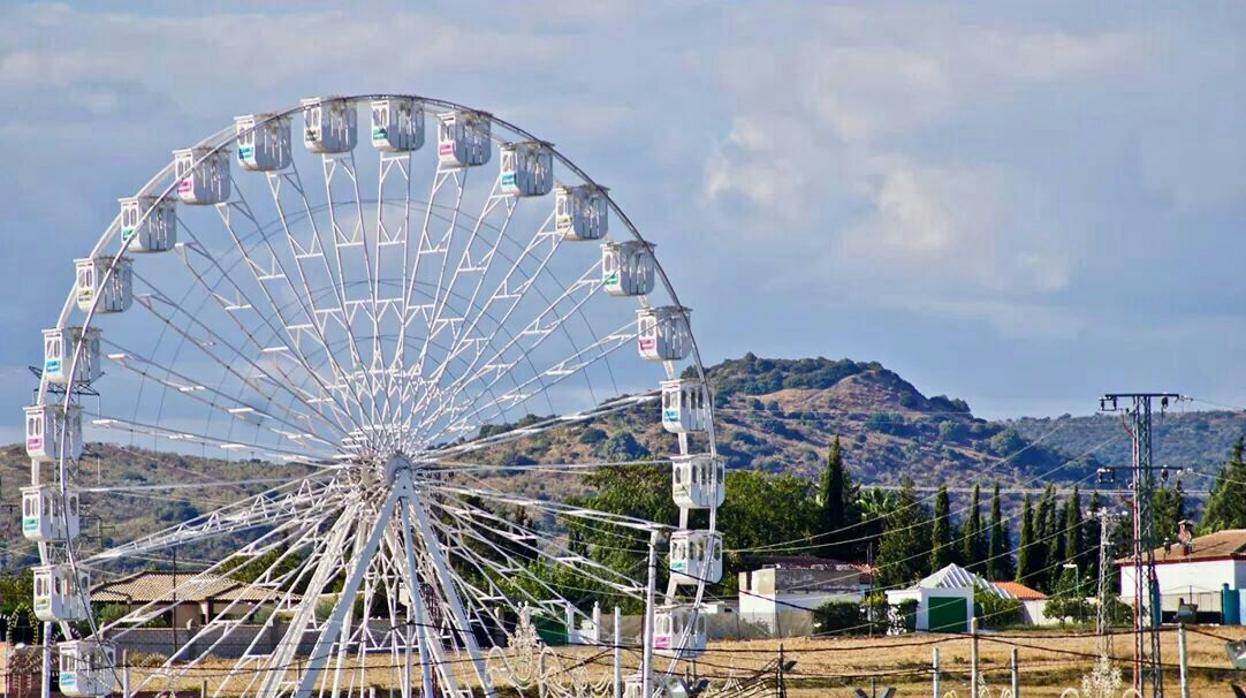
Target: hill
x=782, y=414
x=779, y=415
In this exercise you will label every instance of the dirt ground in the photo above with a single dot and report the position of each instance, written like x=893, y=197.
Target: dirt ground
x=1050, y=662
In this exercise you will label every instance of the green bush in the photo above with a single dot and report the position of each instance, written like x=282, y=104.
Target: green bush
x=839, y=618
x=993, y=611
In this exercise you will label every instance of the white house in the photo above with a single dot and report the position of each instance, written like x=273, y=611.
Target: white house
x=1208, y=571
x=797, y=584
x=944, y=599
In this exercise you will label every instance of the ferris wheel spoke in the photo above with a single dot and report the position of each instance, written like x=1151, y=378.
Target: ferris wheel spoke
x=458, y=400
x=524, y=537
x=456, y=467
x=468, y=346
x=166, y=311
x=431, y=244
x=272, y=269
x=274, y=586
x=551, y=507
x=285, y=538
x=497, y=407
x=389, y=312
x=234, y=407
x=291, y=500
x=135, y=427
x=234, y=301
x=348, y=238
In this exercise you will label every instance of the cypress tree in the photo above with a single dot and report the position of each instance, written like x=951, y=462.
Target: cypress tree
x=1074, y=531
x=1043, y=537
x=942, y=552
x=1026, y=549
x=836, y=503
x=1226, y=507
x=997, y=551
x=972, y=551
x=1091, y=537
x=903, y=550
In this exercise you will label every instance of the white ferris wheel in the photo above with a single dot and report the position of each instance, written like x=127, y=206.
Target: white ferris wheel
x=357, y=326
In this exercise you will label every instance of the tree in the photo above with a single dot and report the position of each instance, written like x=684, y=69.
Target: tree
x=1069, y=599
x=973, y=551
x=837, y=505
x=903, y=550
x=1226, y=507
x=942, y=551
x=999, y=561
x=874, y=505
x=1074, y=531
x=1026, y=562
x=763, y=509
x=1043, y=536
x=1168, y=505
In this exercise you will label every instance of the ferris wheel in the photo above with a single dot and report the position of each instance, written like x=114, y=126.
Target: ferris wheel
x=385, y=339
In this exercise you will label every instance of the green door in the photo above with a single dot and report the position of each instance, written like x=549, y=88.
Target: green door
x=948, y=614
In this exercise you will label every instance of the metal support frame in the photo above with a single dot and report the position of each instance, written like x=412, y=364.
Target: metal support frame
x=1148, y=664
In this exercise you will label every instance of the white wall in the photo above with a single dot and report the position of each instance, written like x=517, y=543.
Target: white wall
x=1190, y=577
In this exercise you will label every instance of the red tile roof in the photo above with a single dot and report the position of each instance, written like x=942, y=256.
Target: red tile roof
x=1019, y=591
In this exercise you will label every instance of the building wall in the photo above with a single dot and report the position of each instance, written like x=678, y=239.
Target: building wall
x=1199, y=576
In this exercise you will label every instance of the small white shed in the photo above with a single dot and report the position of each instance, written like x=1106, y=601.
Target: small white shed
x=944, y=599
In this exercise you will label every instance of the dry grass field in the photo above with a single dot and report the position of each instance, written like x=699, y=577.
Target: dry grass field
x=1050, y=662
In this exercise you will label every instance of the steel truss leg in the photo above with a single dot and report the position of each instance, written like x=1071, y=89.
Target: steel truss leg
x=329, y=634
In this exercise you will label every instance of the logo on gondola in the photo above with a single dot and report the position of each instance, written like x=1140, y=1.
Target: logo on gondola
x=246, y=153
x=445, y=149
x=612, y=279
x=670, y=415
x=184, y=186
x=34, y=443
x=379, y=133
x=30, y=523
x=662, y=642
x=52, y=366
x=648, y=343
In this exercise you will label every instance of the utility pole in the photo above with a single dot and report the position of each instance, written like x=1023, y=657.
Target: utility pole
x=1137, y=422
x=1103, y=624
x=646, y=668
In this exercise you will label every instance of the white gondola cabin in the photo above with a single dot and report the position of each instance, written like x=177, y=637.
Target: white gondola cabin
x=663, y=333
x=634, y=687
x=628, y=268
x=115, y=289
x=329, y=125
x=696, y=556
x=397, y=125
x=44, y=432
x=679, y=631
x=88, y=667
x=581, y=212
x=46, y=516
x=527, y=169
x=685, y=406
x=60, y=593
x=148, y=223
x=59, y=348
x=698, y=481
x=463, y=139
x=202, y=175
x=264, y=142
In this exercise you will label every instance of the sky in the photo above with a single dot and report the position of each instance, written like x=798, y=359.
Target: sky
x=1020, y=206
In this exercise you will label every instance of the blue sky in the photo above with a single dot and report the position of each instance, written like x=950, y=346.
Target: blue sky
x=1022, y=207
